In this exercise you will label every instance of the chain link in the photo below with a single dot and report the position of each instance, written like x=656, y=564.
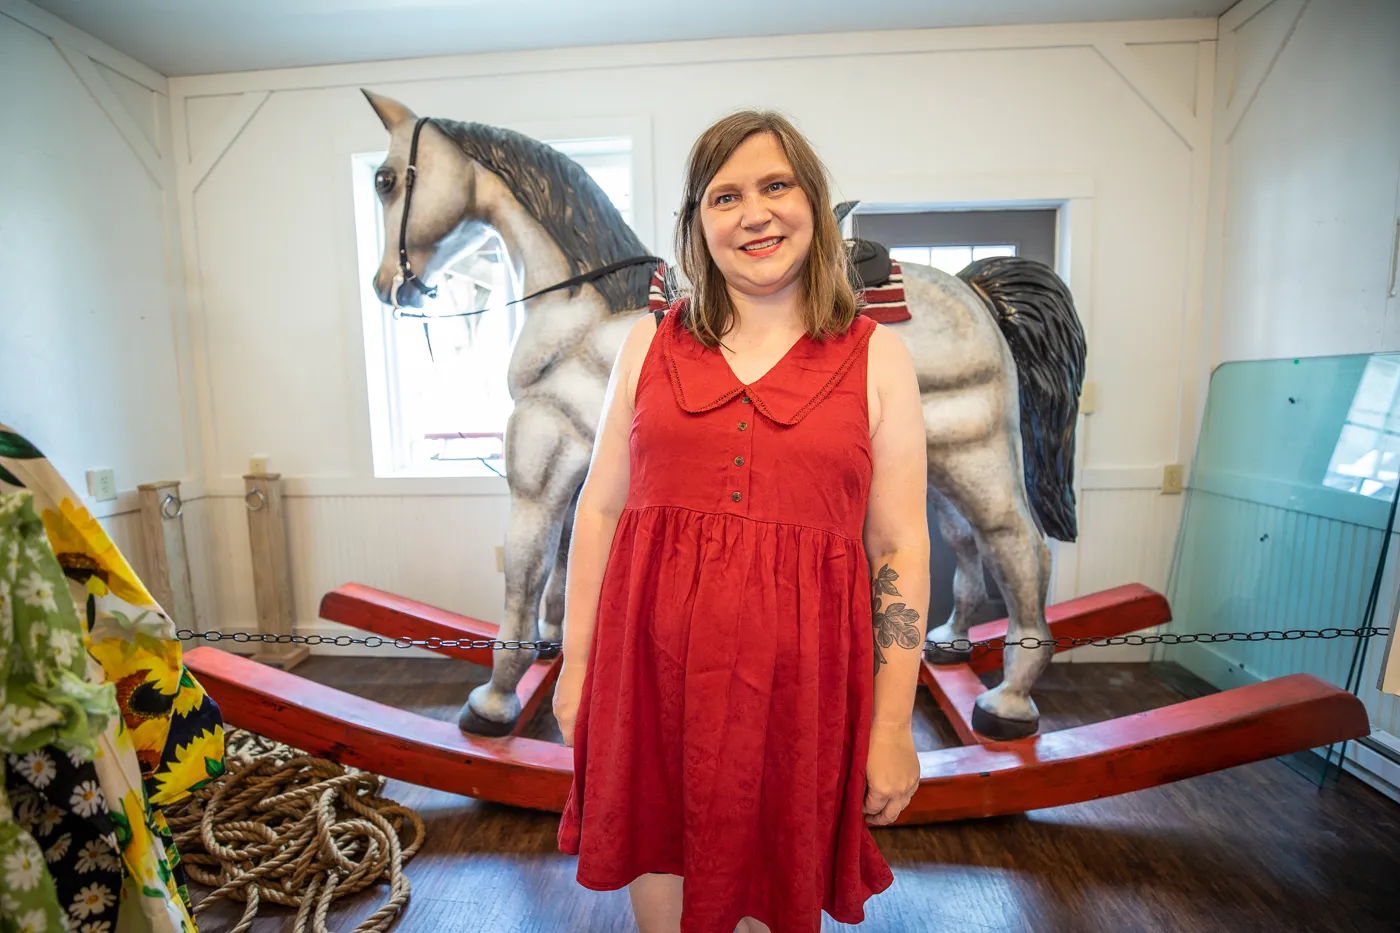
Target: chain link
x=957, y=645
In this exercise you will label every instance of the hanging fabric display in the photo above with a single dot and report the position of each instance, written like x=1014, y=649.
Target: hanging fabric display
x=168, y=738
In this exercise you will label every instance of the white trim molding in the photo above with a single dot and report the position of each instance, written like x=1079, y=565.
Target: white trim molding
x=106, y=98
x=240, y=114
x=1190, y=125
x=1240, y=97
x=702, y=51
x=56, y=29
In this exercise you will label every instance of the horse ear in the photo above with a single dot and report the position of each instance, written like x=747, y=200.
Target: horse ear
x=391, y=112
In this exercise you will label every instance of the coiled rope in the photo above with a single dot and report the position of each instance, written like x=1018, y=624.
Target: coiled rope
x=275, y=827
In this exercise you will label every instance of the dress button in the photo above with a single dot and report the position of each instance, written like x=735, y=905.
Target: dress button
x=745, y=399
x=743, y=425
x=736, y=496
x=738, y=461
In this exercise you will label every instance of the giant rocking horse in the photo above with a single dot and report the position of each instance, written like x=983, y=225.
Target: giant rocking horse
x=999, y=353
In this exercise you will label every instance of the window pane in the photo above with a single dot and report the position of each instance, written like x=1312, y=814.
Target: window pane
x=986, y=252
x=609, y=162
x=915, y=254
x=951, y=259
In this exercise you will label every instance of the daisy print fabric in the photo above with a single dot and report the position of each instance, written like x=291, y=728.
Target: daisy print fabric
x=47, y=698
x=28, y=901
x=58, y=800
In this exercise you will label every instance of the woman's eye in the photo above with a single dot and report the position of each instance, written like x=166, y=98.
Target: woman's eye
x=384, y=180
x=724, y=198
x=777, y=186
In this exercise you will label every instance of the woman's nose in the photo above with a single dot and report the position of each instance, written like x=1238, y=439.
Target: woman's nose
x=756, y=212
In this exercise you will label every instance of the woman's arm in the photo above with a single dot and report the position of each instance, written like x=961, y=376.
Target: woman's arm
x=896, y=530
x=600, y=504
x=896, y=543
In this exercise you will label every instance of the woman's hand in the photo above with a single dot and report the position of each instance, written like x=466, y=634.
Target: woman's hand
x=891, y=773
x=568, y=691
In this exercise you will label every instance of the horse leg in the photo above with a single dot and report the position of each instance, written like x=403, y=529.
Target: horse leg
x=546, y=462
x=969, y=585
x=552, y=623
x=983, y=481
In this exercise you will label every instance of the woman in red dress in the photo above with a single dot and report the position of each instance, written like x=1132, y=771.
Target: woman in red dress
x=748, y=572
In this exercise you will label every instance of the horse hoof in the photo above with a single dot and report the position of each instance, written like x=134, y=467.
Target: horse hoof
x=473, y=724
x=938, y=655
x=999, y=727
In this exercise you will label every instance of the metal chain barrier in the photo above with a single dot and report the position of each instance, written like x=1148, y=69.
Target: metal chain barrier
x=961, y=644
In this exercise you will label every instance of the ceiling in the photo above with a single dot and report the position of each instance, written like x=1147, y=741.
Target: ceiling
x=187, y=37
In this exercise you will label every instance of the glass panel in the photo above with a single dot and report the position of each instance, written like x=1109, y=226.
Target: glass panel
x=609, y=162
x=451, y=372
x=951, y=259
x=1285, y=523
x=914, y=254
x=986, y=252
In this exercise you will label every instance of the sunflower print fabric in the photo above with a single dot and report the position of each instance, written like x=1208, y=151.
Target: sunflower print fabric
x=168, y=739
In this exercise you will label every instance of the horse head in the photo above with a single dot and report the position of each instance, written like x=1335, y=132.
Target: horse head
x=443, y=220
x=471, y=180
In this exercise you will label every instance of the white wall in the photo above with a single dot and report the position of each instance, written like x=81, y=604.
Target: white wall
x=1307, y=178
x=1304, y=207
x=90, y=320
x=1111, y=120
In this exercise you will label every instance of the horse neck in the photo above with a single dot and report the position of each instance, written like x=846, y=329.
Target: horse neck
x=537, y=260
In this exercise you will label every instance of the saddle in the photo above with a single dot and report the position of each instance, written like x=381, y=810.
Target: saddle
x=869, y=262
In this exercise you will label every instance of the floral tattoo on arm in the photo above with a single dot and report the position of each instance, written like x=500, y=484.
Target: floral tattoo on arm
x=895, y=623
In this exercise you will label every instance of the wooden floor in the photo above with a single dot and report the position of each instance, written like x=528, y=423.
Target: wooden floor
x=1257, y=848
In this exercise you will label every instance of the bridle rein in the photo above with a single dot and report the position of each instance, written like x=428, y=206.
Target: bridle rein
x=405, y=273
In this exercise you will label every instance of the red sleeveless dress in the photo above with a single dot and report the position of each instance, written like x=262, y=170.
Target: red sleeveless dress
x=725, y=716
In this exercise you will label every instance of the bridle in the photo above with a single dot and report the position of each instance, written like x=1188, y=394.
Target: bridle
x=405, y=271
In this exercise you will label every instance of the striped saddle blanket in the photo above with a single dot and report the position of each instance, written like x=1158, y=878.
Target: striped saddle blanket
x=883, y=303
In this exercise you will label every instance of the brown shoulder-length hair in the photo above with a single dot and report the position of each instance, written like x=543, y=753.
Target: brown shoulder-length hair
x=828, y=302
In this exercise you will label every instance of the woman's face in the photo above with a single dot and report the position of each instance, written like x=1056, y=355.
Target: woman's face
x=757, y=222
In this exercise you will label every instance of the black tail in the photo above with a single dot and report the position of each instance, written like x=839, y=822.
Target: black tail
x=1036, y=314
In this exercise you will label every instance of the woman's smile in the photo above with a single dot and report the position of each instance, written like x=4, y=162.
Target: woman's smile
x=764, y=247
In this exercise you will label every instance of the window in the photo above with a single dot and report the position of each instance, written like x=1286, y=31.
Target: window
x=951, y=259
x=951, y=239
x=437, y=387
x=1366, y=459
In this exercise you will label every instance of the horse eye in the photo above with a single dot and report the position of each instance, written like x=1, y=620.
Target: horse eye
x=384, y=180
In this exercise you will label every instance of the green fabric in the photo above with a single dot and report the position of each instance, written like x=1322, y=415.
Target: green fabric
x=45, y=699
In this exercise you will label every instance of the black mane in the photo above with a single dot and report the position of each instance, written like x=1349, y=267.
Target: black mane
x=567, y=202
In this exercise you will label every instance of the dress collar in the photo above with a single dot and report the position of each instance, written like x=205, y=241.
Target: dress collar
x=796, y=384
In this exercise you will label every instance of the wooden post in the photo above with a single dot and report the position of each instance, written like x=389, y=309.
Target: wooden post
x=163, y=531
x=272, y=578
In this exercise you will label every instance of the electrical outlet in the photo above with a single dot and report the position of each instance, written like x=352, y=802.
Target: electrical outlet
x=257, y=463
x=102, y=485
x=1173, y=478
x=500, y=558
x=1088, y=398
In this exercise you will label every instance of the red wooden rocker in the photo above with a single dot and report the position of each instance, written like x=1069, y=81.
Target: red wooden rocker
x=980, y=778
